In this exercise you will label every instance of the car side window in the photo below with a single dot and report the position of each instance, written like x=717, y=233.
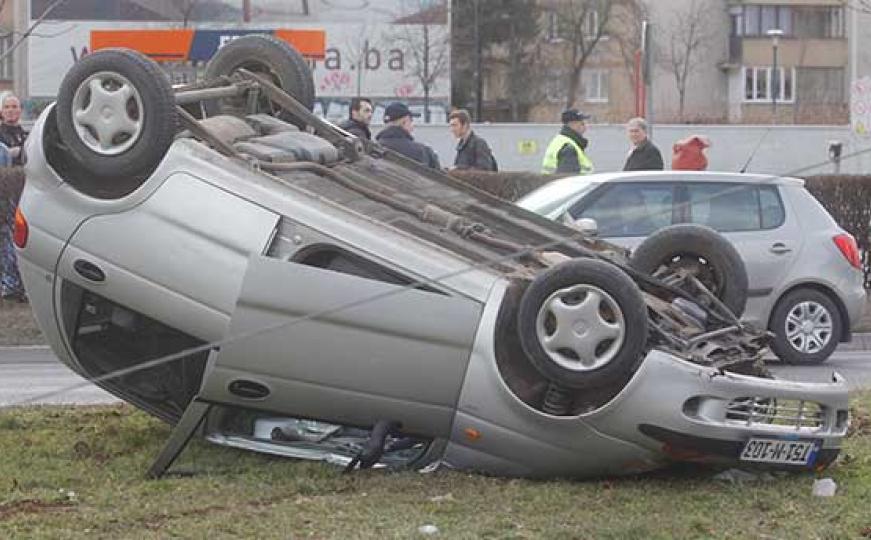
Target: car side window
x=725, y=207
x=628, y=209
x=773, y=214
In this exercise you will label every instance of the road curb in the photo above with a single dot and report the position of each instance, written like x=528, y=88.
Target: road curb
x=23, y=348
x=860, y=342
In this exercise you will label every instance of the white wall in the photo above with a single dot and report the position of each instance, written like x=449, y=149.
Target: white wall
x=782, y=149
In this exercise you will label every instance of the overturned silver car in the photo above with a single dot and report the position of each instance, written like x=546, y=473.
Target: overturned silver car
x=223, y=259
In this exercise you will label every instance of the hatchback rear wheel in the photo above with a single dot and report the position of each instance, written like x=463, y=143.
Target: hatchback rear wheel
x=807, y=327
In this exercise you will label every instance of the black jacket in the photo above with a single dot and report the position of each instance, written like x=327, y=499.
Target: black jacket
x=474, y=153
x=567, y=158
x=645, y=157
x=355, y=127
x=399, y=140
x=13, y=136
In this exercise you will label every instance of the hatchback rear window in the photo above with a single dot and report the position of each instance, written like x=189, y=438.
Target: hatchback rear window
x=729, y=207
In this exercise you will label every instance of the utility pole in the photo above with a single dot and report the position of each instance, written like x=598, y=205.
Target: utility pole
x=478, y=85
x=426, y=81
x=246, y=11
x=647, y=68
x=774, y=34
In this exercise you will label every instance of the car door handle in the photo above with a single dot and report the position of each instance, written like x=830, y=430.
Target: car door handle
x=779, y=249
x=89, y=271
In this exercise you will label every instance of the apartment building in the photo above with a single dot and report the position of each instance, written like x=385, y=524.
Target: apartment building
x=731, y=75
x=810, y=83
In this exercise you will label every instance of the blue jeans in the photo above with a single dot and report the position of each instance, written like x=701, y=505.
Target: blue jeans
x=10, y=280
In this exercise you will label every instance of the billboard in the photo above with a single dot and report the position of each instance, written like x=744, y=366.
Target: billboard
x=385, y=50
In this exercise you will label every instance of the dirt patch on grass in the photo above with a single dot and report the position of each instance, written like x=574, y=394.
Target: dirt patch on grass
x=32, y=506
x=18, y=326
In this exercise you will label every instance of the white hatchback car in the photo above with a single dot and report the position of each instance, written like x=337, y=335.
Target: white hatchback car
x=804, y=271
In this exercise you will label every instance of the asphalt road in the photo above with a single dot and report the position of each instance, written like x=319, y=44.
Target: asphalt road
x=28, y=373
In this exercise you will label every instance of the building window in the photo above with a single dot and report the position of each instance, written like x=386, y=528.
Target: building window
x=6, y=41
x=591, y=24
x=557, y=28
x=758, y=20
x=595, y=85
x=552, y=27
x=555, y=85
x=819, y=22
x=761, y=85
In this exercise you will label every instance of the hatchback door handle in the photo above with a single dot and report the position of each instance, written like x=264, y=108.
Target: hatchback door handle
x=779, y=249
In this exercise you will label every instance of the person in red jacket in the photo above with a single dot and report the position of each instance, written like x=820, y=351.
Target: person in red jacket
x=689, y=154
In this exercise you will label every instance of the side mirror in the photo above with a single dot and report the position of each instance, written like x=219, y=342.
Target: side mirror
x=587, y=226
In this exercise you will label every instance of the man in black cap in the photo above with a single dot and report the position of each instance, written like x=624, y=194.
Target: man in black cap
x=397, y=136
x=361, y=116
x=565, y=153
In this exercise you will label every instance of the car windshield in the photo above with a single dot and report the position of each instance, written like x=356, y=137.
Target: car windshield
x=549, y=199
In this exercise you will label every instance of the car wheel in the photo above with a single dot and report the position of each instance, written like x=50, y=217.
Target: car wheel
x=261, y=54
x=807, y=327
x=583, y=324
x=116, y=113
x=700, y=251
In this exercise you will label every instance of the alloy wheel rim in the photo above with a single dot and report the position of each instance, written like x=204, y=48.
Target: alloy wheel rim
x=808, y=327
x=108, y=114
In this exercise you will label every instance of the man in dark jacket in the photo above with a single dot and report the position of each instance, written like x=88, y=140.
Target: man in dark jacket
x=12, y=137
x=643, y=155
x=11, y=132
x=361, y=117
x=472, y=151
x=397, y=136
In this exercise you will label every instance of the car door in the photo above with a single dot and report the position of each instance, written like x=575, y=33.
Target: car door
x=627, y=212
x=754, y=218
x=178, y=255
x=327, y=345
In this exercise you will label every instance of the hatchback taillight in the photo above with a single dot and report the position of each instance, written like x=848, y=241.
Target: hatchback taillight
x=19, y=236
x=847, y=244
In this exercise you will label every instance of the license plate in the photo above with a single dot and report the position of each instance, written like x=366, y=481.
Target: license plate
x=779, y=451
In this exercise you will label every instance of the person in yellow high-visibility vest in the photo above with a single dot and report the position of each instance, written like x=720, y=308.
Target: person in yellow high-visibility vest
x=565, y=153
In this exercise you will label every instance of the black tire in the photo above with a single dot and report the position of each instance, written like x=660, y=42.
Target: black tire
x=624, y=355
x=140, y=152
x=787, y=349
x=263, y=54
x=722, y=270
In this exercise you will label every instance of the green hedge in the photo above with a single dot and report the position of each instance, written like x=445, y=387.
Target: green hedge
x=847, y=197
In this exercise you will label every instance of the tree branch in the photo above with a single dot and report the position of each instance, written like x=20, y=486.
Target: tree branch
x=33, y=26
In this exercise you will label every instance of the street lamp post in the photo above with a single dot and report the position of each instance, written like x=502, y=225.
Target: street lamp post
x=774, y=34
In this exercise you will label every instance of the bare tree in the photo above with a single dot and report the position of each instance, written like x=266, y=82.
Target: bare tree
x=358, y=46
x=423, y=34
x=186, y=8
x=688, y=37
x=582, y=24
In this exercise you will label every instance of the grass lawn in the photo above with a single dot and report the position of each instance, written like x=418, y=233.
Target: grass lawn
x=79, y=473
